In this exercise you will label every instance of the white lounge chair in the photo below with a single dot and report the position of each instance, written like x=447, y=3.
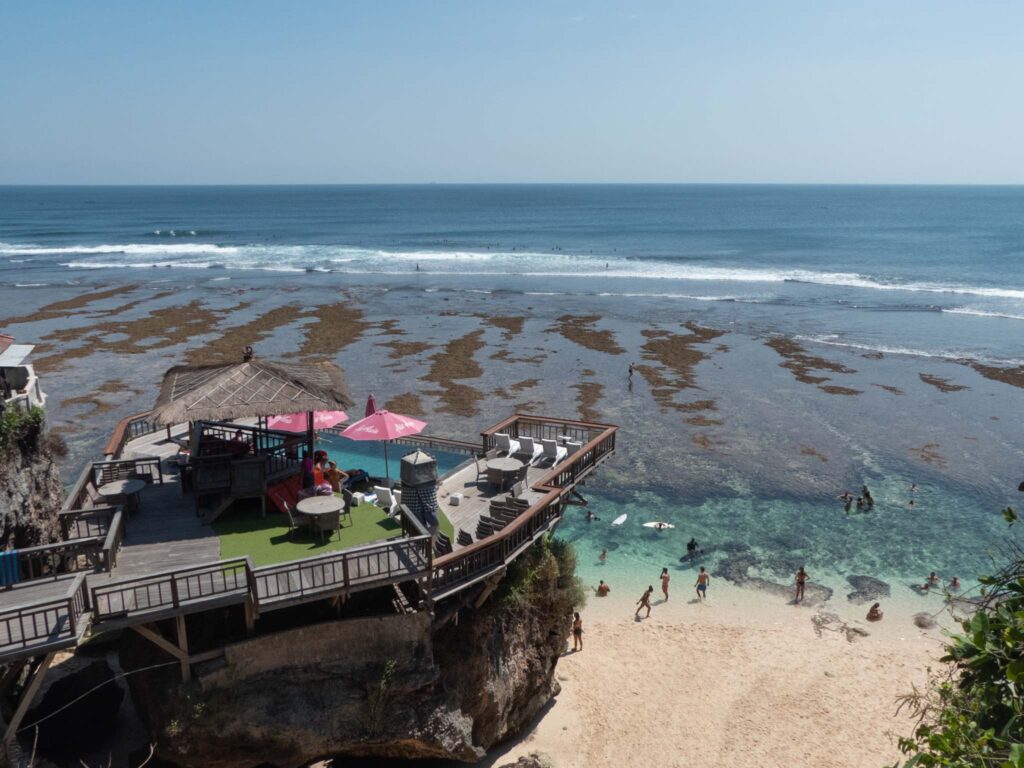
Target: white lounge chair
x=506, y=444
x=386, y=501
x=572, y=447
x=529, y=450
x=553, y=451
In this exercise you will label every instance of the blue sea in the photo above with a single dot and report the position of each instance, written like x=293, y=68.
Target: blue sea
x=890, y=282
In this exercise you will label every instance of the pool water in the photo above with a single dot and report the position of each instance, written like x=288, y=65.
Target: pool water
x=369, y=456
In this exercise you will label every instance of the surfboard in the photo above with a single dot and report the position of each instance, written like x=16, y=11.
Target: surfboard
x=658, y=525
x=619, y=520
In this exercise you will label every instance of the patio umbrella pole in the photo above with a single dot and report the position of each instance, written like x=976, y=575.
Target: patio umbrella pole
x=309, y=433
x=387, y=471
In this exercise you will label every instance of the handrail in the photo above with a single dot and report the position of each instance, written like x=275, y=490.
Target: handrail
x=47, y=622
x=91, y=521
x=169, y=589
x=50, y=561
x=112, y=542
x=124, y=432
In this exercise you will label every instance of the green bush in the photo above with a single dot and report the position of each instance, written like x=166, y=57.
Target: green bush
x=20, y=427
x=972, y=716
x=544, y=577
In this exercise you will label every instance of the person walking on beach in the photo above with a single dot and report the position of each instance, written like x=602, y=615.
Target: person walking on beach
x=664, y=582
x=801, y=582
x=644, y=602
x=703, y=579
x=577, y=632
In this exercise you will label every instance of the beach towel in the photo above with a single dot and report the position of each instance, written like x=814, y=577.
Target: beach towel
x=9, y=573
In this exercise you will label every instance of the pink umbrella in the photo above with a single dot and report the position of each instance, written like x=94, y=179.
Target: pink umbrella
x=299, y=422
x=371, y=405
x=384, y=425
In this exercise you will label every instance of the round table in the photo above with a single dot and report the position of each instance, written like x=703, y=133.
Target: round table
x=508, y=467
x=127, y=489
x=317, y=507
x=314, y=506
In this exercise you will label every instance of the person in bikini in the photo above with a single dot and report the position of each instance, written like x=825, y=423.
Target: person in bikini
x=577, y=632
x=801, y=582
x=664, y=582
x=644, y=602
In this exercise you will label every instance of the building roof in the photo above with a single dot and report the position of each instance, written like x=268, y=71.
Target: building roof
x=253, y=388
x=14, y=354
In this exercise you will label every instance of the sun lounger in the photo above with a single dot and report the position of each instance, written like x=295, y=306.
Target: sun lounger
x=505, y=444
x=385, y=500
x=553, y=451
x=528, y=451
x=572, y=447
x=464, y=538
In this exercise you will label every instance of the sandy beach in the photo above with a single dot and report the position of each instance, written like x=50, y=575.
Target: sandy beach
x=741, y=681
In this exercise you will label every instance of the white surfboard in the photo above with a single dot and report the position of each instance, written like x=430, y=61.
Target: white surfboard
x=658, y=525
x=619, y=520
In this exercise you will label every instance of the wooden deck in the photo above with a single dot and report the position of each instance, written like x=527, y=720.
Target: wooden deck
x=169, y=565
x=476, y=497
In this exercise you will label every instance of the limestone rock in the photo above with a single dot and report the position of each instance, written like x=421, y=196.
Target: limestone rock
x=924, y=620
x=533, y=760
x=31, y=494
x=867, y=589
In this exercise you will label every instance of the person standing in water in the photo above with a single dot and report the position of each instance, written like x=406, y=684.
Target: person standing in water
x=801, y=582
x=664, y=582
x=644, y=602
x=577, y=632
x=603, y=555
x=691, y=548
x=703, y=579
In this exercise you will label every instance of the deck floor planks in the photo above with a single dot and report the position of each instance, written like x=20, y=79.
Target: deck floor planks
x=476, y=497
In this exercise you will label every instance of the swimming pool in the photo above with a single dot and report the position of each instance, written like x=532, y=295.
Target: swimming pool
x=369, y=455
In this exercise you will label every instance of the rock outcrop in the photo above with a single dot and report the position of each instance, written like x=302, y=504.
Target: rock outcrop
x=31, y=492
x=867, y=589
x=394, y=687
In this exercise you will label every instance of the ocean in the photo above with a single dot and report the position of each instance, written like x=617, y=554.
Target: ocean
x=913, y=295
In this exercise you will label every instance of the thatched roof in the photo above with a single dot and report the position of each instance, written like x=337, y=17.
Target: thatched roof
x=254, y=388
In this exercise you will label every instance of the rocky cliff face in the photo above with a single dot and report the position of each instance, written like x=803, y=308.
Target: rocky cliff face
x=382, y=687
x=31, y=492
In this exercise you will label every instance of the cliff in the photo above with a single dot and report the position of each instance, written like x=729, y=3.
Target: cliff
x=373, y=687
x=31, y=492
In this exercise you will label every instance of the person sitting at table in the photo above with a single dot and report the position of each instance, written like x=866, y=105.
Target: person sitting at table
x=335, y=476
x=321, y=486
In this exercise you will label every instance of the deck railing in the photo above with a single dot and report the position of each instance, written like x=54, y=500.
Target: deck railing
x=349, y=570
x=127, y=429
x=112, y=541
x=149, y=469
x=49, y=561
x=48, y=622
x=169, y=589
x=85, y=523
x=469, y=564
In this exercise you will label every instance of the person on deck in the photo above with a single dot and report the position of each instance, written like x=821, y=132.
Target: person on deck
x=335, y=476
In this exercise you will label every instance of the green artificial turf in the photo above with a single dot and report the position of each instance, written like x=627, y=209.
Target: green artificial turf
x=446, y=525
x=267, y=539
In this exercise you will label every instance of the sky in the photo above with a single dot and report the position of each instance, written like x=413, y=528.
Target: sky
x=912, y=91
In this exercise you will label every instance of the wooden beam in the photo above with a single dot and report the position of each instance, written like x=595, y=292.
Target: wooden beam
x=12, y=674
x=35, y=680
x=206, y=656
x=186, y=667
x=158, y=640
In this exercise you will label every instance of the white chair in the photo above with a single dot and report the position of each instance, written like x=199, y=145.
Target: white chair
x=553, y=451
x=529, y=450
x=385, y=500
x=506, y=444
x=571, y=447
